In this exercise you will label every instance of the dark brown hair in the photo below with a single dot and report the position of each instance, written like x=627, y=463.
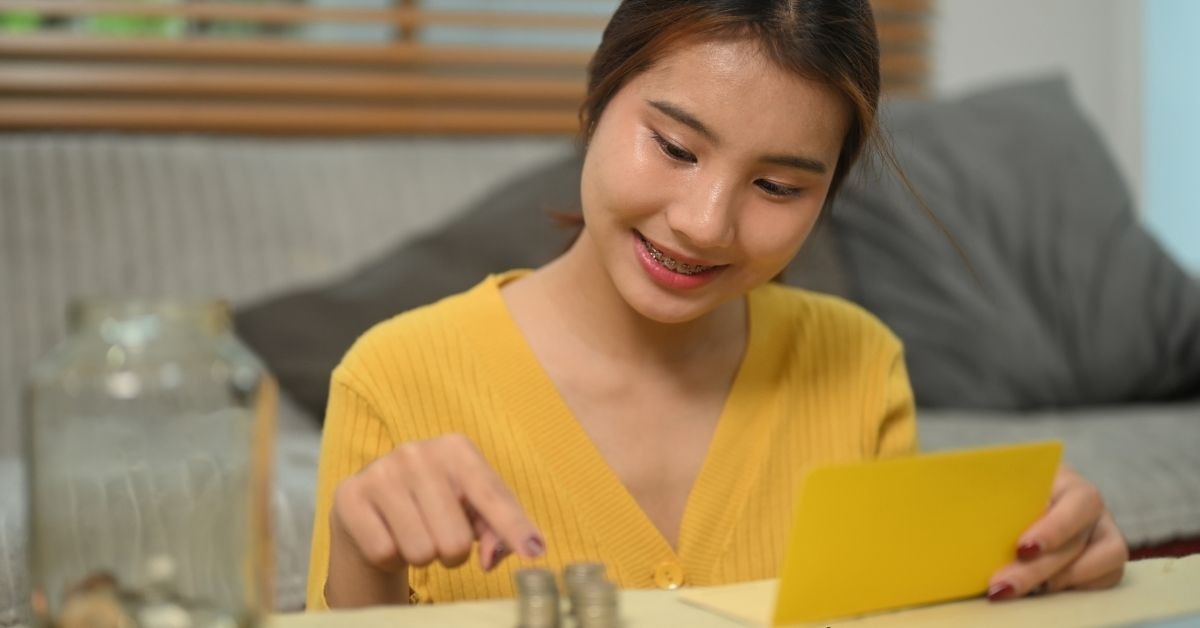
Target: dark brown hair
x=829, y=41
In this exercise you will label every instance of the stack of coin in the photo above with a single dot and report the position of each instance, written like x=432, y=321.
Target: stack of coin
x=590, y=594
x=537, y=599
x=576, y=575
x=595, y=605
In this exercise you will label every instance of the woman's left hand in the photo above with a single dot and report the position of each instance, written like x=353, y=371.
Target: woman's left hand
x=1075, y=545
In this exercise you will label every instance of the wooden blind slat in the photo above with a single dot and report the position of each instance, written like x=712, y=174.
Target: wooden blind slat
x=400, y=16
x=903, y=34
x=85, y=48
x=274, y=13
x=269, y=81
x=276, y=118
x=158, y=80
x=88, y=49
x=905, y=63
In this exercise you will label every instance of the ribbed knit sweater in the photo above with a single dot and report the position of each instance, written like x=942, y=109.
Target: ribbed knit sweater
x=821, y=381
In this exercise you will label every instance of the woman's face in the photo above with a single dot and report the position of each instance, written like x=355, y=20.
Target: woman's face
x=705, y=174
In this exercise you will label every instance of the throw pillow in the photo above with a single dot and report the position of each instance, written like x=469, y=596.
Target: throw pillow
x=1072, y=302
x=301, y=336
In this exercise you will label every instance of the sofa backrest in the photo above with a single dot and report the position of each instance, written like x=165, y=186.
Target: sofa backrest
x=237, y=218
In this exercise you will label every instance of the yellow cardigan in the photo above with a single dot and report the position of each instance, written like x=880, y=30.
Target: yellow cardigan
x=821, y=381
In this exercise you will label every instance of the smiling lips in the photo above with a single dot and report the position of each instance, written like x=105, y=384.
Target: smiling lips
x=671, y=263
x=672, y=272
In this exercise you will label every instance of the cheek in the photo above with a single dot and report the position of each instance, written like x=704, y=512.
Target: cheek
x=623, y=182
x=775, y=235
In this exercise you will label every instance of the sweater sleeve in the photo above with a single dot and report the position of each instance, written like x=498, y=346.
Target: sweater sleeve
x=898, y=425
x=353, y=436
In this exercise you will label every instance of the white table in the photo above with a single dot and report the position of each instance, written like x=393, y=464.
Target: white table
x=1152, y=590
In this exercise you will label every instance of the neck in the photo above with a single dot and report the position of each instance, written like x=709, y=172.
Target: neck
x=588, y=305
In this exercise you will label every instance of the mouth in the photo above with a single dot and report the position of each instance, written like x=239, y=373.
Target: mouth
x=672, y=264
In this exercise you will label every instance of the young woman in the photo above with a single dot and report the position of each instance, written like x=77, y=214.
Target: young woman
x=650, y=399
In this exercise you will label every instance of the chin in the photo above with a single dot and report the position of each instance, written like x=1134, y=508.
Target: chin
x=661, y=306
x=671, y=316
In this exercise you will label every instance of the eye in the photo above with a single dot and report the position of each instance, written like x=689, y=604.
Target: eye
x=776, y=189
x=673, y=150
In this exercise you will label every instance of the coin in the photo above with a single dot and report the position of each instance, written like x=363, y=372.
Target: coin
x=595, y=605
x=584, y=571
x=579, y=576
x=537, y=598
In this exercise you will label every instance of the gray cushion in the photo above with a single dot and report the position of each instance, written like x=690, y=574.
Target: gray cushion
x=303, y=334
x=1073, y=302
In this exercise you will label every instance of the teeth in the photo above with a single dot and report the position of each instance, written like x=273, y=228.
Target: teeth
x=672, y=265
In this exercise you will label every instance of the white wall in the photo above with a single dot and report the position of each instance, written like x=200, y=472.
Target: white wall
x=1096, y=43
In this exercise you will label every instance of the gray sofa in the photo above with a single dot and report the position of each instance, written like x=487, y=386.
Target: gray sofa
x=273, y=225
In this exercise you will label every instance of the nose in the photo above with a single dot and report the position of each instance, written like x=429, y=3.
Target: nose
x=706, y=216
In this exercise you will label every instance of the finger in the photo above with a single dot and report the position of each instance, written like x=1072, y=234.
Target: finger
x=1101, y=565
x=1074, y=509
x=364, y=528
x=491, y=549
x=399, y=510
x=1107, y=581
x=1022, y=577
x=487, y=494
x=441, y=510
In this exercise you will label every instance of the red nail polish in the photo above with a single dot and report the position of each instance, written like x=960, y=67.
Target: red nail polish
x=1001, y=591
x=535, y=546
x=1029, y=551
x=498, y=554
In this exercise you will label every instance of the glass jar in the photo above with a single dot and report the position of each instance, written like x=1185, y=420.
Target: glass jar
x=148, y=450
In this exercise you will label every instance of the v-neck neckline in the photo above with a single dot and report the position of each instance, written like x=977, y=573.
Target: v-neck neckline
x=628, y=537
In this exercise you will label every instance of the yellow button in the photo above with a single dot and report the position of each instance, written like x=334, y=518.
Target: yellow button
x=668, y=575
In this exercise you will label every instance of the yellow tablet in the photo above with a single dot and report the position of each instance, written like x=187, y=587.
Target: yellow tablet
x=908, y=531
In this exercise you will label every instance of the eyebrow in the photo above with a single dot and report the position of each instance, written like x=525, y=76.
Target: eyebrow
x=792, y=161
x=796, y=161
x=686, y=118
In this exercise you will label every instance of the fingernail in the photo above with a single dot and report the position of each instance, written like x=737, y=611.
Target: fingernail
x=1000, y=591
x=488, y=562
x=535, y=546
x=498, y=554
x=1029, y=550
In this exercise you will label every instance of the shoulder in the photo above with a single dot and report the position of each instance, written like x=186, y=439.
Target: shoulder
x=411, y=342
x=823, y=336
x=842, y=363
x=815, y=315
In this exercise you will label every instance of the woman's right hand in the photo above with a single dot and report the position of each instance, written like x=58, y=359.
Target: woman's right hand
x=424, y=501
